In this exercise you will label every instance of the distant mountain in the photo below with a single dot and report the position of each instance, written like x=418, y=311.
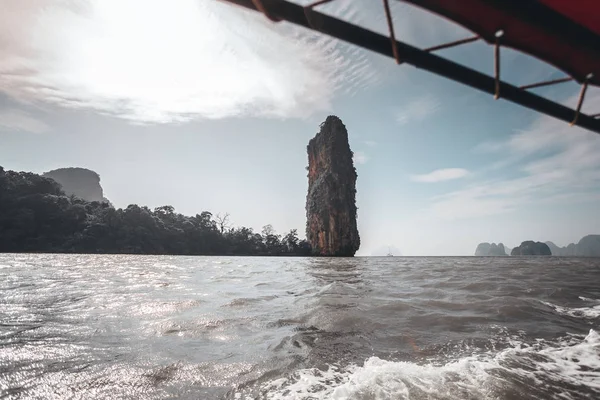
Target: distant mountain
x=80, y=182
x=487, y=249
x=588, y=246
x=531, y=248
x=568, y=251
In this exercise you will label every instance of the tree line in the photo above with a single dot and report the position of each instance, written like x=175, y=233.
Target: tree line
x=37, y=216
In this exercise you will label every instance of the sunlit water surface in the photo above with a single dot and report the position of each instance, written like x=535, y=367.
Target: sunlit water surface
x=147, y=327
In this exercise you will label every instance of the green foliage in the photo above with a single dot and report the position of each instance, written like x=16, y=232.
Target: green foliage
x=36, y=216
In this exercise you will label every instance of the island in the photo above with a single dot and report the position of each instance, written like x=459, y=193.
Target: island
x=531, y=248
x=486, y=250
x=331, y=228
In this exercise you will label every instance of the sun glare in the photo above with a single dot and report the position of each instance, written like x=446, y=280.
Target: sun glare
x=163, y=61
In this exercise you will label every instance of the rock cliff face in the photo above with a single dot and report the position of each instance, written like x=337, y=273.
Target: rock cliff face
x=531, y=248
x=79, y=182
x=331, y=226
x=486, y=249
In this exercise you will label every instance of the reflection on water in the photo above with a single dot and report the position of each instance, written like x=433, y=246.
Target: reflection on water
x=77, y=326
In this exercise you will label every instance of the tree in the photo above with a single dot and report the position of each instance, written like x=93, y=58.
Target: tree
x=268, y=230
x=271, y=240
x=37, y=216
x=222, y=221
x=164, y=210
x=291, y=241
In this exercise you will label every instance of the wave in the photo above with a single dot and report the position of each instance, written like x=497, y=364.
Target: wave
x=577, y=312
x=246, y=301
x=566, y=369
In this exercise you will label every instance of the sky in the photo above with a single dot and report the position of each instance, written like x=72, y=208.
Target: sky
x=206, y=106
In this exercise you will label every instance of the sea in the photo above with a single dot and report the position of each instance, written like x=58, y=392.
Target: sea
x=167, y=327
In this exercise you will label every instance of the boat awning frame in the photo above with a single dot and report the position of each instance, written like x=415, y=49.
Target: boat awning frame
x=308, y=17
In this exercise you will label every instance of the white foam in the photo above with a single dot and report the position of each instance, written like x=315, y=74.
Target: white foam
x=577, y=364
x=380, y=379
x=578, y=312
x=546, y=367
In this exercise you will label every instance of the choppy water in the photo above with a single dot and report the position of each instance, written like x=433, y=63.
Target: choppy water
x=137, y=327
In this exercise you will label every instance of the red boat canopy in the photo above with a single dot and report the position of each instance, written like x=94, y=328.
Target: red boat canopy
x=563, y=33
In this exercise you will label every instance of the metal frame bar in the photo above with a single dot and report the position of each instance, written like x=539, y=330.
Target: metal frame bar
x=580, y=102
x=539, y=16
x=421, y=59
x=317, y=3
x=546, y=83
x=309, y=7
x=497, y=67
x=452, y=44
x=390, y=22
x=259, y=5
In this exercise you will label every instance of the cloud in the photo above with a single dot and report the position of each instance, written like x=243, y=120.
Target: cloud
x=160, y=61
x=360, y=157
x=17, y=120
x=440, y=175
x=155, y=61
x=417, y=109
x=555, y=164
x=489, y=147
x=370, y=143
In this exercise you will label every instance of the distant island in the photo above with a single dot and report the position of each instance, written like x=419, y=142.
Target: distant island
x=588, y=246
x=80, y=182
x=65, y=211
x=36, y=215
x=492, y=250
x=531, y=248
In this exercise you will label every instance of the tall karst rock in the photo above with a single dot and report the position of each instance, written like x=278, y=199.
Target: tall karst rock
x=331, y=201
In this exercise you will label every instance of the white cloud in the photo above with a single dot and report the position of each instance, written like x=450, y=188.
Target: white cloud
x=17, y=120
x=440, y=175
x=370, y=143
x=164, y=61
x=566, y=170
x=489, y=147
x=417, y=109
x=360, y=157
